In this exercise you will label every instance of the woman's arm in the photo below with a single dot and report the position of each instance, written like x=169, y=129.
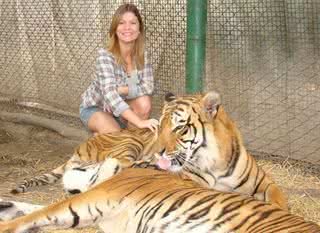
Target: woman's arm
x=111, y=93
x=123, y=90
x=106, y=80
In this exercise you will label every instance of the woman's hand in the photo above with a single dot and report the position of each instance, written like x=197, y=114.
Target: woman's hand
x=152, y=124
x=133, y=118
x=123, y=90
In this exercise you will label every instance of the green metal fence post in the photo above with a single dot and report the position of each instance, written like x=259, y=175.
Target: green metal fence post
x=196, y=44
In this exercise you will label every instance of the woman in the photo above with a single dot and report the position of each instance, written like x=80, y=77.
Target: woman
x=123, y=86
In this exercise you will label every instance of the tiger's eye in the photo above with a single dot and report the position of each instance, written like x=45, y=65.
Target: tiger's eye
x=179, y=127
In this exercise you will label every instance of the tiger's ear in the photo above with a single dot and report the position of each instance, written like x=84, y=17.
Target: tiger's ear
x=211, y=103
x=169, y=97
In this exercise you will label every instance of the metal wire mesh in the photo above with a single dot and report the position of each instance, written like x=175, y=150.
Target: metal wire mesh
x=262, y=56
x=48, y=49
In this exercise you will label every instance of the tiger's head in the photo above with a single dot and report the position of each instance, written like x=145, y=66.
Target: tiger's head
x=193, y=130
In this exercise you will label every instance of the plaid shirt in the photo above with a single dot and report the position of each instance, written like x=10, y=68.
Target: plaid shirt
x=102, y=92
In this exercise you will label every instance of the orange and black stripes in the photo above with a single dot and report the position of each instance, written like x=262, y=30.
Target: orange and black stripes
x=128, y=145
x=202, y=141
x=147, y=200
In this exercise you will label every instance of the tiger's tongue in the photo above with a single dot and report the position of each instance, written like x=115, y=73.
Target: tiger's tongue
x=164, y=163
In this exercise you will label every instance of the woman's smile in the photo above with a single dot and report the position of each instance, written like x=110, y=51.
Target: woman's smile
x=128, y=28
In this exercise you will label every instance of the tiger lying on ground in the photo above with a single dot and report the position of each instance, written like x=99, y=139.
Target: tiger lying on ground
x=128, y=146
x=202, y=141
x=146, y=200
x=199, y=141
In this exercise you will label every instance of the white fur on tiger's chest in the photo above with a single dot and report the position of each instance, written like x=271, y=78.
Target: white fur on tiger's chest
x=209, y=155
x=211, y=161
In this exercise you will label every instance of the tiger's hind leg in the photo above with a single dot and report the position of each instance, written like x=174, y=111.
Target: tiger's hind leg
x=274, y=195
x=270, y=192
x=83, y=210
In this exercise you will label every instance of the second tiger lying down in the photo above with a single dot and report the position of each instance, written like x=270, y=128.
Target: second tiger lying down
x=145, y=200
x=127, y=146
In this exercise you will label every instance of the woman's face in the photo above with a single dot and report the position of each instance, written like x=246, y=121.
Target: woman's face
x=128, y=28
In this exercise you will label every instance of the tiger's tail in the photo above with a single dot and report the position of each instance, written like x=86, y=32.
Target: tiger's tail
x=44, y=179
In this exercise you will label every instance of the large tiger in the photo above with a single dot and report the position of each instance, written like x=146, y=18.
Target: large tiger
x=203, y=142
x=199, y=141
x=145, y=200
x=128, y=146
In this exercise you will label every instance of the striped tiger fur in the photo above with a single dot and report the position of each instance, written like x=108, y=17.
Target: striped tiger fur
x=146, y=200
x=202, y=141
x=75, y=180
x=128, y=146
x=196, y=138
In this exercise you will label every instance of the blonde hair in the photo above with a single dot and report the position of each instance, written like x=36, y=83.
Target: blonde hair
x=113, y=42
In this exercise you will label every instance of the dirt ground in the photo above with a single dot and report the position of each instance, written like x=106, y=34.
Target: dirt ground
x=27, y=150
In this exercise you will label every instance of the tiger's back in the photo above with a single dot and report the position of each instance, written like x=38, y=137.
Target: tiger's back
x=129, y=144
x=144, y=200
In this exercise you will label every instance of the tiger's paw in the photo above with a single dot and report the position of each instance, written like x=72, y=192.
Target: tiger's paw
x=80, y=179
x=109, y=168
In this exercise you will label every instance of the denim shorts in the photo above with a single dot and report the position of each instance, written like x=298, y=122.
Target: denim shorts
x=86, y=113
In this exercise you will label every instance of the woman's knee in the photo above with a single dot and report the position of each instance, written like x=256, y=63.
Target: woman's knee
x=142, y=106
x=102, y=122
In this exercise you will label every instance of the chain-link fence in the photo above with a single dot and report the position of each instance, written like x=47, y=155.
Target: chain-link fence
x=262, y=56
x=48, y=48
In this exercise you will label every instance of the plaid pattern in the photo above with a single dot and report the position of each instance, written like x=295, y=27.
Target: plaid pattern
x=102, y=92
